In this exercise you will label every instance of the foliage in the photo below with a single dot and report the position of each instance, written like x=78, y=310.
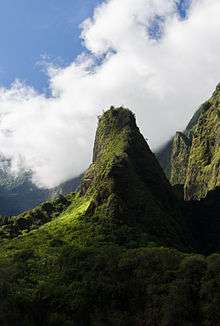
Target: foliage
x=100, y=257
x=192, y=158
x=13, y=226
x=127, y=185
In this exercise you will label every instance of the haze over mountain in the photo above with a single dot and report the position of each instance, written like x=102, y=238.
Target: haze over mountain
x=18, y=193
x=143, y=61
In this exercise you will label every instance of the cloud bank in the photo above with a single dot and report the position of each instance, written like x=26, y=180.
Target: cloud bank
x=162, y=80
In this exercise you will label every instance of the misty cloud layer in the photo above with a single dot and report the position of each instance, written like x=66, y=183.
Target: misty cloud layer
x=162, y=81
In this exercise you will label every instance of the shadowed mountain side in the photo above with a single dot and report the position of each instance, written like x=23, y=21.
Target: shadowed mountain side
x=204, y=222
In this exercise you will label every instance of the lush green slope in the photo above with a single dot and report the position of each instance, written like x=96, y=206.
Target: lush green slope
x=98, y=257
x=14, y=226
x=193, y=157
x=204, y=161
x=69, y=272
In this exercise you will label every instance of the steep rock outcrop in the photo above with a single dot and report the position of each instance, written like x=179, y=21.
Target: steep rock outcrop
x=193, y=157
x=203, y=173
x=126, y=183
x=179, y=158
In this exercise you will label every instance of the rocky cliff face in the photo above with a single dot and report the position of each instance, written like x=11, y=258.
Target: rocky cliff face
x=179, y=158
x=193, y=157
x=203, y=173
x=127, y=184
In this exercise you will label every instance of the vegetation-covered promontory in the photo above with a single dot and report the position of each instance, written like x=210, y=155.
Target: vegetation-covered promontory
x=124, y=250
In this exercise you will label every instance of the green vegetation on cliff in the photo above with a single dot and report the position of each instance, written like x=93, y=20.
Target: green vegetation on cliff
x=193, y=157
x=14, y=226
x=204, y=161
x=127, y=185
x=99, y=257
x=179, y=158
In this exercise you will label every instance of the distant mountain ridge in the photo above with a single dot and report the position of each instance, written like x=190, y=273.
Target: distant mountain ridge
x=19, y=193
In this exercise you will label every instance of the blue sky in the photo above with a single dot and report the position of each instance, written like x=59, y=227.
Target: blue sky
x=30, y=29
x=155, y=79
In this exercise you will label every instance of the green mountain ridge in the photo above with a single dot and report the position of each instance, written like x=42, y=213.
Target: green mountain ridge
x=192, y=158
x=123, y=250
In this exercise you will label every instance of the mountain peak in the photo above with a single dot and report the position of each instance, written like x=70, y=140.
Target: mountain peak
x=112, y=121
x=126, y=184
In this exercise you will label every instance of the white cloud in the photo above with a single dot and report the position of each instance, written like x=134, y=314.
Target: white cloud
x=161, y=81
